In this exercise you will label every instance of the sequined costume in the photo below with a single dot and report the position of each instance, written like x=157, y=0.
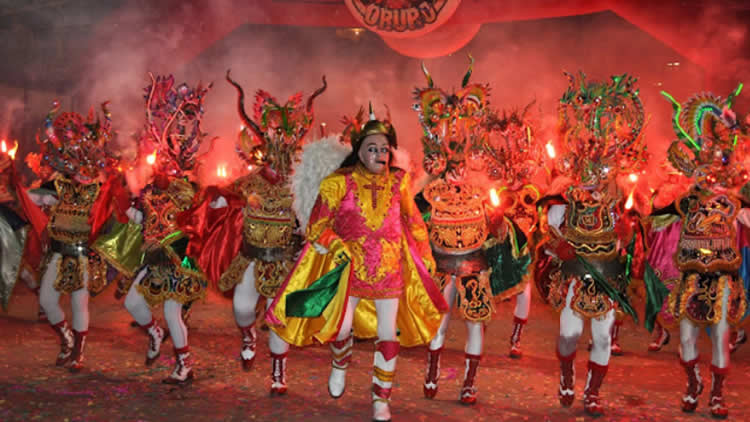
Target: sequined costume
x=259, y=205
x=710, y=292
x=475, y=246
x=586, y=258
x=365, y=266
x=168, y=274
x=76, y=148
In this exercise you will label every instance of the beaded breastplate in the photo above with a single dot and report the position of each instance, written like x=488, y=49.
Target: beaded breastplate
x=269, y=219
x=458, y=224
x=708, y=240
x=69, y=217
x=590, y=225
x=160, y=208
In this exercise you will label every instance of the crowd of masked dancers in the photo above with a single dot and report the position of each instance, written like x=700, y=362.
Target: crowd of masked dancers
x=345, y=239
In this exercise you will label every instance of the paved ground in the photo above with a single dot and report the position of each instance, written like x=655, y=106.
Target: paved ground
x=115, y=386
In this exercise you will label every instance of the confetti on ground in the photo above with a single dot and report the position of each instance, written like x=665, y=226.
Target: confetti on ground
x=116, y=386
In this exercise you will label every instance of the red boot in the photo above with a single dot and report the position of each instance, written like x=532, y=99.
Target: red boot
x=566, y=393
x=249, y=339
x=278, y=374
x=66, y=342
x=515, y=338
x=183, y=370
x=718, y=407
x=430, y=388
x=591, y=401
x=76, y=359
x=469, y=391
x=694, y=386
x=155, y=338
x=659, y=339
x=736, y=339
x=615, y=347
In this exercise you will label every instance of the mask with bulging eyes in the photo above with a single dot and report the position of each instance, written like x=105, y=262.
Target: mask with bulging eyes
x=374, y=153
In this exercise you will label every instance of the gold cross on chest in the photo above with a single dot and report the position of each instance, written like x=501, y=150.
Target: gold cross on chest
x=374, y=188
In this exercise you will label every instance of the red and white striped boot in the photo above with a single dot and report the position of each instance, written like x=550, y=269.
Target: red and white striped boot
x=432, y=377
x=249, y=339
x=469, y=391
x=566, y=392
x=79, y=344
x=155, y=339
x=515, y=337
x=183, y=370
x=278, y=374
x=591, y=400
x=66, y=342
x=694, y=386
x=718, y=407
x=342, y=355
x=384, y=370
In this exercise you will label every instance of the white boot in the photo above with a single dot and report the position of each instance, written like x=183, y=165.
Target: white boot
x=342, y=355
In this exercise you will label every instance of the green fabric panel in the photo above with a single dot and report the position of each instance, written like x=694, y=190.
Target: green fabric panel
x=312, y=301
x=656, y=294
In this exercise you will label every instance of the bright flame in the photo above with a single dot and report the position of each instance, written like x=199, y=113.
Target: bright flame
x=550, y=150
x=633, y=177
x=151, y=158
x=221, y=171
x=11, y=152
x=629, y=202
x=494, y=198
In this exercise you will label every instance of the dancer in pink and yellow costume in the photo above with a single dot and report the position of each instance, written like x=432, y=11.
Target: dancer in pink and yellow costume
x=369, y=252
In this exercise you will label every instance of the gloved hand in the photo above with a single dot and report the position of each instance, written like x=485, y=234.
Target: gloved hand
x=429, y=263
x=340, y=251
x=134, y=215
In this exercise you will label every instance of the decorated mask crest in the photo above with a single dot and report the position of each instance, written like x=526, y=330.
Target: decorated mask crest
x=453, y=135
x=710, y=140
x=272, y=139
x=600, y=128
x=74, y=146
x=173, y=133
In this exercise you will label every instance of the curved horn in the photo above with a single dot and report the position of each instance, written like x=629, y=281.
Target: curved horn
x=571, y=79
x=241, y=109
x=315, y=94
x=467, y=76
x=427, y=76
